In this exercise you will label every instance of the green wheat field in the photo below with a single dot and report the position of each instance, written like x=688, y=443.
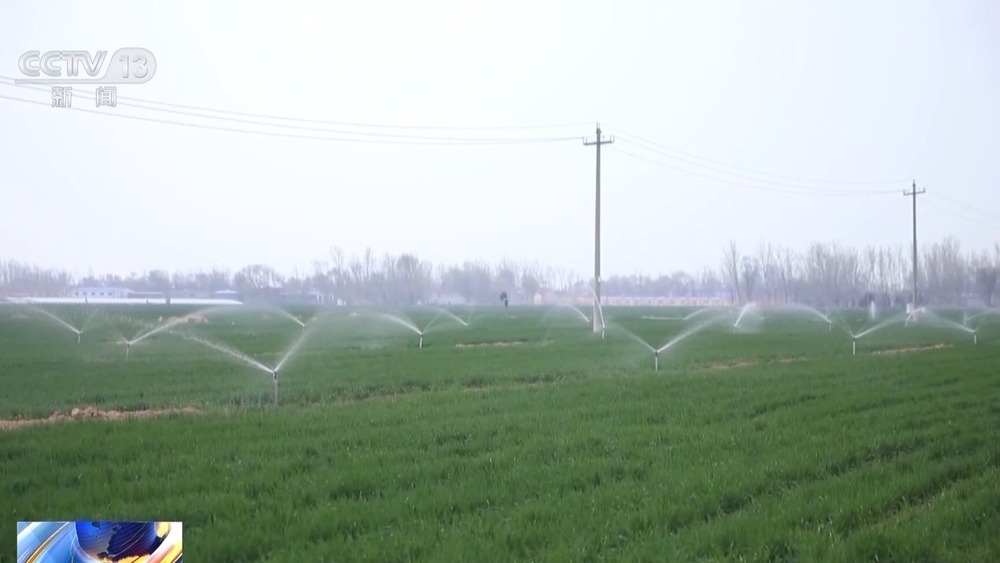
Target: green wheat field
x=511, y=434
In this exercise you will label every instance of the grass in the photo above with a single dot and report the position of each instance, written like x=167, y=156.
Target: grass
x=770, y=443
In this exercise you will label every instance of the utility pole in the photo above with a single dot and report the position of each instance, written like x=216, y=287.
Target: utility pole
x=914, y=193
x=598, y=320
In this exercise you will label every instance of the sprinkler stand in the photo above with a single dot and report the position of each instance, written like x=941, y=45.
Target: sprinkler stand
x=421, y=344
x=975, y=338
x=78, y=337
x=854, y=347
x=274, y=374
x=128, y=346
x=656, y=360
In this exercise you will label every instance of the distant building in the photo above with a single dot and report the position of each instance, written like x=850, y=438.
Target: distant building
x=312, y=297
x=646, y=301
x=227, y=294
x=446, y=298
x=187, y=294
x=145, y=295
x=102, y=292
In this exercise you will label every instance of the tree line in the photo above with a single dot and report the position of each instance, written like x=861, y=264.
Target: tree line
x=823, y=274
x=833, y=275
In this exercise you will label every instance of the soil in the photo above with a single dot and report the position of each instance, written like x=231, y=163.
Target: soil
x=92, y=413
x=730, y=365
x=746, y=363
x=789, y=360
x=482, y=344
x=910, y=349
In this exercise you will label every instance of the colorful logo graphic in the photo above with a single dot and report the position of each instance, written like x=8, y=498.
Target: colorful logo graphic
x=99, y=542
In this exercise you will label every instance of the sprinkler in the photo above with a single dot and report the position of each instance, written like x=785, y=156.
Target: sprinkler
x=656, y=360
x=421, y=344
x=831, y=326
x=602, y=333
x=128, y=346
x=78, y=338
x=854, y=347
x=975, y=338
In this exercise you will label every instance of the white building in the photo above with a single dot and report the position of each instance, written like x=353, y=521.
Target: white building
x=102, y=292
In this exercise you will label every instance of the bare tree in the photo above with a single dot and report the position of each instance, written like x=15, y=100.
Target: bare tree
x=749, y=272
x=731, y=267
x=767, y=260
x=987, y=274
x=414, y=276
x=530, y=285
x=945, y=272
x=787, y=273
x=506, y=276
x=257, y=280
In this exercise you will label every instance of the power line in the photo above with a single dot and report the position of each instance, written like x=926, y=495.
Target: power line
x=966, y=207
x=639, y=141
x=10, y=81
x=429, y=141
x=745, y=177
x=804, y=190
x=965, y=216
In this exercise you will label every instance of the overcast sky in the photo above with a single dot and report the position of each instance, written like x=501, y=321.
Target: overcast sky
x=839, y=91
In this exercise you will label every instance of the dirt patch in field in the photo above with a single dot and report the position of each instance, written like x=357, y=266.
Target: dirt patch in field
x=500, y=343
x=720, y=366
x=485, y=388
x=891, y=351
x=93, y=413
x=729, y=365
x=789, y=360
x=19, y=317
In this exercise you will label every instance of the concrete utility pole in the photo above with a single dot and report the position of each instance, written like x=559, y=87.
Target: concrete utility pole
x=914, y=193
x=598, y=321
